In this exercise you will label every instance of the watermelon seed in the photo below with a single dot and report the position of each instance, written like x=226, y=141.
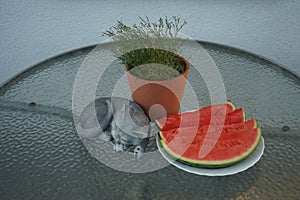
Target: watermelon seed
x=195, y=142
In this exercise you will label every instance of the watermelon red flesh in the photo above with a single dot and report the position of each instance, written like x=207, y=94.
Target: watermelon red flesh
x=229, y=149
x=181, y=120
x=202, y=130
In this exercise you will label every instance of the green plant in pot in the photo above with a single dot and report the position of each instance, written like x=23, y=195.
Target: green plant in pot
x=156, y=73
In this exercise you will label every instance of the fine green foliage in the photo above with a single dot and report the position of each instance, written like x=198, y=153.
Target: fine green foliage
x=147, y=43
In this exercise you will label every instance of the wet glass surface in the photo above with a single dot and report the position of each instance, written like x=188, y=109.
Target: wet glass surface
x=42, y=157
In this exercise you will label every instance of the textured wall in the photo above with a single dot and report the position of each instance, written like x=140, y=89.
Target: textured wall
x=31, y=31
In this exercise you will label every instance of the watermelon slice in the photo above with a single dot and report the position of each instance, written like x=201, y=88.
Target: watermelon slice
x=201, y=118
x=219, y=109
x=168, y=135
x=205, y=112
x=230, y=148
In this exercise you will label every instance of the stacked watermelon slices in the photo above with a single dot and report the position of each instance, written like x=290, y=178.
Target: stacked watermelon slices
x=212, y=137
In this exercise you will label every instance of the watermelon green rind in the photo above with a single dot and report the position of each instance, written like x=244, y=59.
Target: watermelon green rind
x=231, y=104
x=244, y=115
x=255, y=123
x=214, y=164
x=158, y=124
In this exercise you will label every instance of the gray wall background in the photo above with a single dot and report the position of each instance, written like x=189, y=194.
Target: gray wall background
x=33, y=30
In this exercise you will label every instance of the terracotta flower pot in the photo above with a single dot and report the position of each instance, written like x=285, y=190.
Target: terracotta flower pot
x=158, y=98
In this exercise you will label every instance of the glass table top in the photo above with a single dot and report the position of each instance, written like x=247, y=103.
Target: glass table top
x=42, y=157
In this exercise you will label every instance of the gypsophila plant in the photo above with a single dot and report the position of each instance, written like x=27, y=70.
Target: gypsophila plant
x=149, y=42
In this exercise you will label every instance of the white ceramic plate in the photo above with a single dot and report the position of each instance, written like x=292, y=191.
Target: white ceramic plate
x=233, y=169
